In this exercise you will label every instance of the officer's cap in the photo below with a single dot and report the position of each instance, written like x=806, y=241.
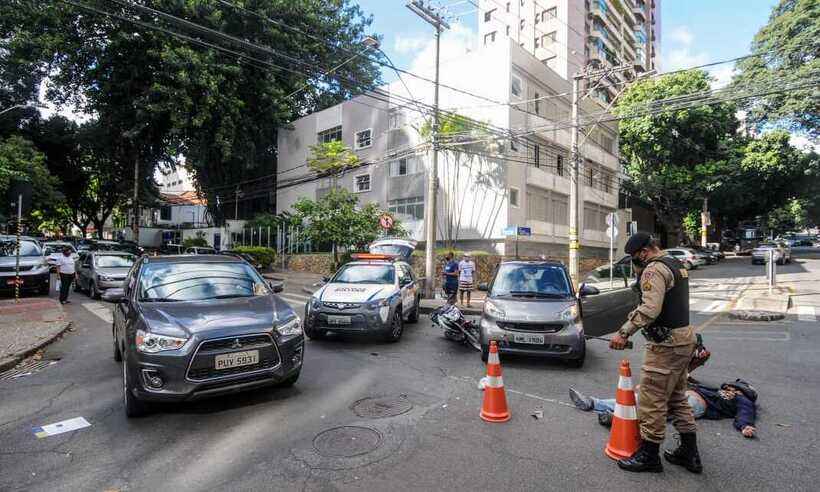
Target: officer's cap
x=636, y=242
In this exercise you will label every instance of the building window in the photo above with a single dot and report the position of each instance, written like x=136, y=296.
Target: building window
x=537, y=42
x=489, y=38
x=559, y=165
x=607, y=143
x=537, y=100
x=488, y=15
x=590, y=177
x=537, y=17
x=606, y=182
x=412, y=207
x=165, y=213
x=362, y=183
x=508, y=31
x=514, y=197
x=523, y=23
x=513, y=145
x=549, y=38
x=536, y=149
x=395, y=120
x=404, y=166
x=332, y=135
x=508, y=6
x=550, y=13
x=364, y=138
x=560, y=209
x=515, y=86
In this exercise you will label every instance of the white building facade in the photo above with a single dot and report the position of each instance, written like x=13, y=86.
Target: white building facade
x=486, y=182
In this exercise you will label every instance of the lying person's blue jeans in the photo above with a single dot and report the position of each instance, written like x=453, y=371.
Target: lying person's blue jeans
x=608, y=405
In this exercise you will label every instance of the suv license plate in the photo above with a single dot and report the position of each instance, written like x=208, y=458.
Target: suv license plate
x=338, y=320
x=531, y=339
x=236, y=359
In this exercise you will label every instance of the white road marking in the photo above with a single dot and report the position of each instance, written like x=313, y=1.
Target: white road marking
x=806, y=313
x=99, y=310
x=714, y=307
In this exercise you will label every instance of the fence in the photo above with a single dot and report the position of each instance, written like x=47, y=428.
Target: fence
x=284, y=239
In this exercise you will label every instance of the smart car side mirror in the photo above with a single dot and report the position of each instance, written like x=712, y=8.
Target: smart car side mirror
x=325, y=279
x=483, y=286
x=276, y=287
x=115, y=295
x=587, y=290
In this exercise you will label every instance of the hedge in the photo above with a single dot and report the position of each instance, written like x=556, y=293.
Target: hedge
x=263, y=255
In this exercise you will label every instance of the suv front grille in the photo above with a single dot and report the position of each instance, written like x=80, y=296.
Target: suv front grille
x=202, y=366
x=341, y=305
x=535, y=327
x=23, y=268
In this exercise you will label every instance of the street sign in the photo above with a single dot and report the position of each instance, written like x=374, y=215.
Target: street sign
x=386, y=221
x=524, y=231
x=510, y=231
x=612, y=219
x=612, y=232
x=632, y=227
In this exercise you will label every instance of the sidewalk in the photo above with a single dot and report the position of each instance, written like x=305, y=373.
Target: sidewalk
x=28, y=326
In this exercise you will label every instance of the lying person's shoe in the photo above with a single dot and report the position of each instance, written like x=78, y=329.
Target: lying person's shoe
x=580, y=401
x=605, y=419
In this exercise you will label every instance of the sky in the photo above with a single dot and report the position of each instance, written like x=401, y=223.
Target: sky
x=695, y=32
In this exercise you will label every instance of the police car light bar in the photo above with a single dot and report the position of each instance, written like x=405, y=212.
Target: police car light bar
x=373, y=256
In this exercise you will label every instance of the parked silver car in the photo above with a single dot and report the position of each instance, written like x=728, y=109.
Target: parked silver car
x=782, y=253
x=101, y=270
x=532, y=309
x=689, y=258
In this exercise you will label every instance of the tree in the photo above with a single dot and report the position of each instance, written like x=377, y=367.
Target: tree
x=793, y=216
x=332, y=157
x=789, y=41
x=19, y=159
x=667, y=154
x=337, y=219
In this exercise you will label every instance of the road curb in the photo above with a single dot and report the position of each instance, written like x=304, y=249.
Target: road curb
x=747, y=315
x=10, y=362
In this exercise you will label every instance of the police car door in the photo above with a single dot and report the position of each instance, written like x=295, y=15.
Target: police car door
x=407, y=286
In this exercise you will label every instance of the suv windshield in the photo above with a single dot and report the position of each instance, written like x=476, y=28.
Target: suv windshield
x=519, y=280
x=365, y=274
x=114, y=261
x=51, y=249
x=168, y=282
x=27, y=248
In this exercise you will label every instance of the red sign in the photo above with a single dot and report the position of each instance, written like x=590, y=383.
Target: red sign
x=386, y=221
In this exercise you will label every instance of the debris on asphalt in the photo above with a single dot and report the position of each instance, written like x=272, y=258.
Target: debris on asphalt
x=374, y=354
x=61, y=427
x=783, y=425
x=538, y=414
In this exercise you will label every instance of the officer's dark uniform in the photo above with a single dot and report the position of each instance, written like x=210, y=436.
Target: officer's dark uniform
x=663, y=317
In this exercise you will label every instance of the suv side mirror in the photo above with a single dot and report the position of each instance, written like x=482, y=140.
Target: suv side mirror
x=483, y=287
x=276, y=287
x=587, y=290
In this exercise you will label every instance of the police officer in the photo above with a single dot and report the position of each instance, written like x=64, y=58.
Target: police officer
x=663, y=318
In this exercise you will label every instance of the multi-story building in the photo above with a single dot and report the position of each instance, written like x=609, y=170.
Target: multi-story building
x=487, y=180
x=568, y=35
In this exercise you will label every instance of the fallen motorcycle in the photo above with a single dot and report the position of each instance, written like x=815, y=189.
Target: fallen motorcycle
x=456, y=328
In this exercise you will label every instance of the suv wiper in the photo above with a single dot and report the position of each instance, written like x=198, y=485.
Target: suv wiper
x=226, y=296
x=529, y=293
x=159, y=299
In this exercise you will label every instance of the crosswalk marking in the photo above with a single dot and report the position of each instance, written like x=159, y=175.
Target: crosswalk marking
x=714, y=307
x=806, y=313
x=99, y=310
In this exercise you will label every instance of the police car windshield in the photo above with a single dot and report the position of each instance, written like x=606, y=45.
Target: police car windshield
x=365, y=274
x=27, y=248
x=516, y=280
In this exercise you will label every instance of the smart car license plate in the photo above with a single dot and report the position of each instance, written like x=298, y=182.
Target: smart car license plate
x=529, y=338
x=338, y=320
x=236, y=359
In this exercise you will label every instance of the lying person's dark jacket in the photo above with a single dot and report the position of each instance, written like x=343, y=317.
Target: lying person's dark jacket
x=740, y=408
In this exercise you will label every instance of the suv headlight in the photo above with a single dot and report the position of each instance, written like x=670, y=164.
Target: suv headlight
x=315, y=303
x=291, y=328
x=105, y=278
x=151, y=343
x=494, y=311
x=379, y=303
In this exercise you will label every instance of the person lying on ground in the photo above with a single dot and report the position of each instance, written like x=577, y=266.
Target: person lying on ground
x=735, y=400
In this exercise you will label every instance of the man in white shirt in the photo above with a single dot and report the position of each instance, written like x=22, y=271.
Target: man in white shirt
x=466, y=274
x=65, y=268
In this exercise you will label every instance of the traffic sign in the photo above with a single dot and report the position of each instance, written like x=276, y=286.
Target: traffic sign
x=524, y=231
x=612, y=232
x=386, y=221
x=510, y=231
x=612, y=219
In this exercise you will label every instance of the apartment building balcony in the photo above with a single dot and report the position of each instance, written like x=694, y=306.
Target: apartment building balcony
x=639, y=13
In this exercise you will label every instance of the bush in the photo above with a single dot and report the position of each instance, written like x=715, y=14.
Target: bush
x=190, y=242
x=263, y=255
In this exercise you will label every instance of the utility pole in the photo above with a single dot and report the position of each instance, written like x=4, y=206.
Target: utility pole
x=704, y=222
x=135, y=224
x=574, y=198
x=237, y=194
x=433, y=18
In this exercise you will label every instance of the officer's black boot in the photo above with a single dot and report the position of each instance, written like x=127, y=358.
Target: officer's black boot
x=645, y=459
x=686, y=455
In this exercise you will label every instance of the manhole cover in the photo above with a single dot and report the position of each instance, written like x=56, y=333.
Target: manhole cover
x=347, y=441
x=377, y=408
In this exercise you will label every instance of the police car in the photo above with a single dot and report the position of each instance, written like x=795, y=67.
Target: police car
x=373, y=294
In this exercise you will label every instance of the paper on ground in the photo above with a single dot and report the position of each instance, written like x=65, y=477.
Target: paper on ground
x=61, y=427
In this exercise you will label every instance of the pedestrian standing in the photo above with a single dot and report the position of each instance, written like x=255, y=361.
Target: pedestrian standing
x=663, y=318
x=450, y=274
x=466, y=278
x=65, y=269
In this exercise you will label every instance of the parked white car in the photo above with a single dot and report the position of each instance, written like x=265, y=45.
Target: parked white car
x=689, y=258
x=782, y=253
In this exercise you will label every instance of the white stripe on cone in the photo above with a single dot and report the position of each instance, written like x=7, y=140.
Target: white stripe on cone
x=625, y=412
x=495, y=382
x=493, y=358
x=624, y=383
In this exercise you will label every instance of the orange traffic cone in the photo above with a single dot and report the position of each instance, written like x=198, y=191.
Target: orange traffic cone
x=494, y=408
x=624, y=438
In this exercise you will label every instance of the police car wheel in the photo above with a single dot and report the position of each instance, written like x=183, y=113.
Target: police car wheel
x=396, y=327
x=414, y=314
x=313, y=333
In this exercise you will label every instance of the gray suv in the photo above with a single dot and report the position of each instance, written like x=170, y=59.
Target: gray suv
x=101, y=270
x=532, y=309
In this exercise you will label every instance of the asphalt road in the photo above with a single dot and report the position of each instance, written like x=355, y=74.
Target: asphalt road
x=268, y=440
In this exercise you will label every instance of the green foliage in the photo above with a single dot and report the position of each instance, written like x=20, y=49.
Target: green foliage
x=337, y=219
x=790, y=42
x=263, y=255
x=332, y=157
x=452, y=124
x=265, y=220
x=667, y=154
x=691, y=224
x=190, y=242
x=19, y=159
x=793, y=216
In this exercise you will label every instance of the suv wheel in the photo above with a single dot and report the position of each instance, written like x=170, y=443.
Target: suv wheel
x=77, y=287
x=314, y=334
x=396, y=327
x=290, y=381
x=93, y=292
x=117, y=353
x=414, y=314
x=134, y=407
